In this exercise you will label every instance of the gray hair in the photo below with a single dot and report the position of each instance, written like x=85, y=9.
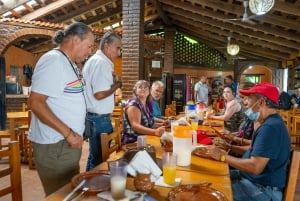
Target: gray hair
x=108, y=38
x=158, y=83
x=140, y=83
x=78, y=28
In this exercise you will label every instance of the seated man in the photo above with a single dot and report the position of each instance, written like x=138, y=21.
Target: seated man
x=262, y=171
x=295, y=98
x=156, y=92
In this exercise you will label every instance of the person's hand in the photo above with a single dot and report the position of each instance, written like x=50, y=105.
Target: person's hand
x=295, y=105
x=116, y=78
x=159, y=131
x=221, y=143
x=214, y=152
x=119, y=83
x=75, y=140
x=167, y=123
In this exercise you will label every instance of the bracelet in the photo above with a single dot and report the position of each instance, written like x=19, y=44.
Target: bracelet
x=70, y=132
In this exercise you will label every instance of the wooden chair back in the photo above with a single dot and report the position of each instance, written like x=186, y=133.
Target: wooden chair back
x=290, y=188
x=118, y=112
x=4, y=137
x=25, y=144
x=13, y=171
x=111, y=142
x=295, y=142
x=286, y=117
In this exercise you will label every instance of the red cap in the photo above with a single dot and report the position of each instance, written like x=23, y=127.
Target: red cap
x=266, y=89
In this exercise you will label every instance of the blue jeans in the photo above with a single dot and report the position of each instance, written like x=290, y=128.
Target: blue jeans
x=103, y=125
x=245, y=190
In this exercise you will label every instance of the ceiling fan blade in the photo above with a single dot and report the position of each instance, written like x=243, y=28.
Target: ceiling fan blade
x=250, y=22
x=252, y=17
x=235, y=19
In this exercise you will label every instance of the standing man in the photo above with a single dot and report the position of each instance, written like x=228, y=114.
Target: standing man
x=201, y=91
x=58, y=107
x=101, y=83
x=261, y=173
x=229, y=81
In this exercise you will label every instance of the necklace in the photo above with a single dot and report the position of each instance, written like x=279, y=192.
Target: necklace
x=76, y=70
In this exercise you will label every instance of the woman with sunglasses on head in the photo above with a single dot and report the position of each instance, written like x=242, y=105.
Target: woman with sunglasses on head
x=138, y=114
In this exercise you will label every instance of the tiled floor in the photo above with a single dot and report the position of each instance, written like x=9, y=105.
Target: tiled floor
x=31, y=184
x=32, y=187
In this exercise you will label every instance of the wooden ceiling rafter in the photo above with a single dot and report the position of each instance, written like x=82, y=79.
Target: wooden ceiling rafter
x=277, y=33
x=241, y=38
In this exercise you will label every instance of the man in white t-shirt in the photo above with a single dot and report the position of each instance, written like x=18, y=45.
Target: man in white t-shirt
x=58, y=108
x=201, y=91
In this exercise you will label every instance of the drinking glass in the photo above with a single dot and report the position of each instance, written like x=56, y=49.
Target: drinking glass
x=169, y=167
x=141, y=141
x=118, y=176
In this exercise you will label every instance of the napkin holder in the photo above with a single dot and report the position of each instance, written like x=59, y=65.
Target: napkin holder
x=130, y=152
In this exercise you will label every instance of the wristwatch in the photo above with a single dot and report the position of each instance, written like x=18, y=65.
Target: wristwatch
x=223, y=158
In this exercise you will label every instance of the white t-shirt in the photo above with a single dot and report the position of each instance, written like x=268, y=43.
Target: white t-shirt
x=98, y=76
x=54, y=76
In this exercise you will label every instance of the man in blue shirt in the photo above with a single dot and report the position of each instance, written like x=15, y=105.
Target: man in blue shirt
x=262, y=171
x=229, y=81
x=157, y=90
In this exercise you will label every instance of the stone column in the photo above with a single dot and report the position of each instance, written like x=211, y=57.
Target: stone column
x=133, y=45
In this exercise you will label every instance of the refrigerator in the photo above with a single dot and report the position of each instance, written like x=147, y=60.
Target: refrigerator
x=179, y=91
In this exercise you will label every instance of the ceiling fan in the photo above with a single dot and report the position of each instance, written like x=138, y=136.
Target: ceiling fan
x=246, y=18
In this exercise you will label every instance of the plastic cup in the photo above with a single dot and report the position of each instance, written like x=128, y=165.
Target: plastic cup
x=194, y=124
x=141, y=141
x=169, y=167
x=174, y=122
x=118, y=177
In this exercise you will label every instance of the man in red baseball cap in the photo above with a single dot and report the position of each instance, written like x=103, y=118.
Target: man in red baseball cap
x=261, y=172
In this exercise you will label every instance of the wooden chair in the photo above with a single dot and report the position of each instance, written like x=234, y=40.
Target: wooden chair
x=111, y=142
x=286, y=117
x=13, y=171
x=295, y=142
x=5, y=136
x=25, y=144
x=118, y=113
x=290, y=189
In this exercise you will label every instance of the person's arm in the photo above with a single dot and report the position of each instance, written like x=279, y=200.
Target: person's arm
x=254, y=164
x=103, y=94
x=38, y=105
x=195, y=96
x=230, y=110
x=134, y=117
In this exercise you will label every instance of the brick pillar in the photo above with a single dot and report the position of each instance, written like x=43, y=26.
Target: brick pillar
x=133, y=45
x=169, y=50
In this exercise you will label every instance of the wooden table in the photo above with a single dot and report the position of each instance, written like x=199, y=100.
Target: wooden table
x=14, y=118
x=200, y=170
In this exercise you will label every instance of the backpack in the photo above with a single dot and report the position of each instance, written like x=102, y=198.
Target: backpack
x=284, y=101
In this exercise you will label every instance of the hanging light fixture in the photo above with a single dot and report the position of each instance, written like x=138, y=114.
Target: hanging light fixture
x=260, y=7
x=233, y=49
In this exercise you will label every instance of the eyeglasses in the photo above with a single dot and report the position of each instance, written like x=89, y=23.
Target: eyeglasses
x=143, y=87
